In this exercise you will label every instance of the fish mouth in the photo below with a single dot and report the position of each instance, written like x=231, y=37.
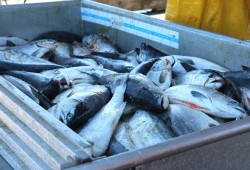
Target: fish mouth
x=164, y=102
x=65, y=82
x=213, y=82
x=163, y=76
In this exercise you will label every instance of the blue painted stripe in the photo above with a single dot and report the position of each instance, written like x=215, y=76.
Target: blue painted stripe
x=96, y=16
x=151, y=32
x=133, y=27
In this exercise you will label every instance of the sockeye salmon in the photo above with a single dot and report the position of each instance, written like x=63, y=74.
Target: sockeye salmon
x=101, y=127
x=80, y=105
x=207, y=100
x=186, y=120
x=146, y=129
x=140, y=91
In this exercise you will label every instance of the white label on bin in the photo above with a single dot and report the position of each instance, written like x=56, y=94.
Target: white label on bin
x=142, y=29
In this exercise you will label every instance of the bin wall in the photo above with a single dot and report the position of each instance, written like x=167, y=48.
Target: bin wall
x=29, y=20
x=217, y=146
x=129, y=29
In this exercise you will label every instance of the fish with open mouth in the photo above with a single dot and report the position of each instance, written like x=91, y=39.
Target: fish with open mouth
x=161, y=73
x=207, y=100
x=100, y=128
x=183, y=64
x=207, y=78
x=158, y=70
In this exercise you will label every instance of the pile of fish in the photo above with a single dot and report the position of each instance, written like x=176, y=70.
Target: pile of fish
x=123, y=101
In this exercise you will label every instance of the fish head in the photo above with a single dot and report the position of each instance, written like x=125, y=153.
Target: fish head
x=144, y=53
x=170, y=58
x=91, y=39
x=72, y=108
x=64, y=81
x=245, y=94
x=161, y=73
x=164, y=102
x=213, y=79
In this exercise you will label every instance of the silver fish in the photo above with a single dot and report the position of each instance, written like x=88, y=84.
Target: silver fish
x=131, y=56
x=121, y=141
x=148, y=52
x=186, y=120
x=73, y=62
x=12, y=60
x=37, y=48
x=207, y=100
x=146, y=129
x=245, y=93
x=63, y=50
x=119, y=66
x=140, y=91
x=49, y=87
x=80, y=105
x=81, y=74
x=207, y=78
x=12, y=41
x=80, y=50
x=81, y=87
x=29, y=90
x=14, y=56
x=100, y=43
x=231, y=90
x=26, y=88
x=53, y=110
x=73, y=74
x=183, y=64
x=129, y=109
x=101, y=127
x=161, y=73
x=143, y=67
x=240, y=78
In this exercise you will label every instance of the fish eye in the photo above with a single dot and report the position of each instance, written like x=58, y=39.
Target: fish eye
x=69, y=116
